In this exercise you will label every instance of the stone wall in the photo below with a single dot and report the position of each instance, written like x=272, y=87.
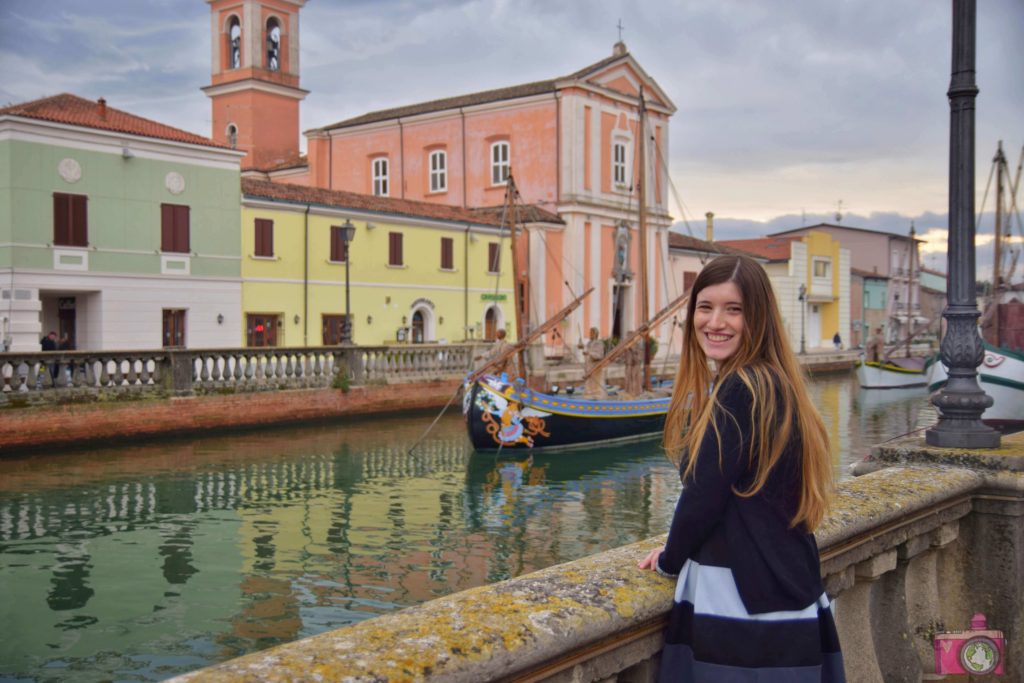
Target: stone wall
x=914, y=547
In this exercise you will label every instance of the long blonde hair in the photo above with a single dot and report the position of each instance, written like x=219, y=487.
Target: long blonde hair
x=768, y=367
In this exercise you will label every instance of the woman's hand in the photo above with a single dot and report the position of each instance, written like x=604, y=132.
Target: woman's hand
x=651, y=561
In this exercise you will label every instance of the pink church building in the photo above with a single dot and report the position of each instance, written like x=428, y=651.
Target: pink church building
x=571, y=144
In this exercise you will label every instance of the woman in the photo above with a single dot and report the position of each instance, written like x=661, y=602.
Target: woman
x=754, y=457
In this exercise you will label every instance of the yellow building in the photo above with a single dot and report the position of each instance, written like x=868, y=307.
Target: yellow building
x=419, y=272
x=810, y=274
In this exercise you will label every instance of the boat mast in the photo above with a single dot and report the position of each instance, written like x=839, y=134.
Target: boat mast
x=910, y=287
x=519, y=282
x=642, y=271
x=1000, y=162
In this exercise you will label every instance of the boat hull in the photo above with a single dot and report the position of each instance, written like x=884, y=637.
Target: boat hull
x=879, y=375
x=1001, y=376
x=502, y=416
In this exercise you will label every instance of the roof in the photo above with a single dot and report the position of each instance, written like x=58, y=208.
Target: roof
x=868, y=273
x=77, y=111
x=821, y=226
x=679, y=241
x=496, y=95
x=300, y=194
x=771, y=248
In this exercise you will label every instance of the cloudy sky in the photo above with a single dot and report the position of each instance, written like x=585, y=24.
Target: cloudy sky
x=788, y=112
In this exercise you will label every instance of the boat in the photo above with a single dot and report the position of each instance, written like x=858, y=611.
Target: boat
x=503, y=412
x=889, y=372
x=1001, y=373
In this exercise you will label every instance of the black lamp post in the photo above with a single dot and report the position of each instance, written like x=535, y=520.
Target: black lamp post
x=348, y=233
x=802, y=296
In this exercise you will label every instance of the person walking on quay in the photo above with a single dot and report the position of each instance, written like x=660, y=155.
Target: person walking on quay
x=48, y=343
x=876, y=346
x=593, y=387
x=837, y=341
x=753, y=454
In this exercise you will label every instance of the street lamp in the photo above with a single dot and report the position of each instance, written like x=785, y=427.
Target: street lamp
x=802, y=296
x=348, y=233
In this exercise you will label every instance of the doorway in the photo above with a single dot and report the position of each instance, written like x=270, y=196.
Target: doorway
x=66, y=319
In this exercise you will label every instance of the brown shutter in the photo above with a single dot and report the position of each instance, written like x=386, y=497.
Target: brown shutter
x=447, y=257
x=61, y=219
x=264, y=237
x=181, y=229
x=79, y=221
x=166, y=227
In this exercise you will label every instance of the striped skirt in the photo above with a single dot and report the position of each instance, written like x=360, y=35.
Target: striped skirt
x=712, y=638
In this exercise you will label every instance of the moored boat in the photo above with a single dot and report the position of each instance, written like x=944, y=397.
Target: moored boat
x=891, y=374
x=504, y=414
x=1000, y=375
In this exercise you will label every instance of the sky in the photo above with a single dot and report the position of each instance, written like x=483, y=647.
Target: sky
x=789, y=113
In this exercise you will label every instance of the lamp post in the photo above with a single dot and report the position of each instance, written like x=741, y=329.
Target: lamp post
x=802, y=297
x=348, y=233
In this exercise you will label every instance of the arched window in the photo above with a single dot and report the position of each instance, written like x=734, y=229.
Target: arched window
x=273, y=45
x=499, y=162
x=233, y=135
x=234, y=43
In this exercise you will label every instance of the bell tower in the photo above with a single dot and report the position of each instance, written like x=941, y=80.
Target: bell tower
x=254, y=85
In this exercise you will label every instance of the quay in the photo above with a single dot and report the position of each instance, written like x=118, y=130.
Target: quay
x=120, y=396
x=922, y=540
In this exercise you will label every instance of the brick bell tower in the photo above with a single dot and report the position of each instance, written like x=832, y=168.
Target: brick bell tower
x=254, y=84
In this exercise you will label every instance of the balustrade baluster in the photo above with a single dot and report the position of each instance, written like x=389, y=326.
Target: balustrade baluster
x=204, y=373
x=144, y=377
x=237, y=369
x=289, y=366
x=133, y=372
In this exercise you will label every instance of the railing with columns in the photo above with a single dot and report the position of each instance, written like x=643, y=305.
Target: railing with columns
x=58, y=376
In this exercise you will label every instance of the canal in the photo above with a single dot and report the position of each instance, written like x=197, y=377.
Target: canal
x=139, y=563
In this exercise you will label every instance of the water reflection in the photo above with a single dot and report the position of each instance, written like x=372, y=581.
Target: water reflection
x=144, y=562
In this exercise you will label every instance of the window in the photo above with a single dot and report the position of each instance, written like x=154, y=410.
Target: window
x=822, y=268
x=339, y=250
x=438, y=171
x=232, y=135
x=174, y=328
x=493, y=258
x=235, y=38
x=261, y=329
x=395, y=249
x=380, y=177
x=689, y=277
x=273, y=45
x=70, y=220
x=174, y=228
x=333, y=326
x=264, y=237
x=619, y=163
x=499, y=163
x=447, y=253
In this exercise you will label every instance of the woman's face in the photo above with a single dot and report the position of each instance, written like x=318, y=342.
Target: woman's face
x=718, y=320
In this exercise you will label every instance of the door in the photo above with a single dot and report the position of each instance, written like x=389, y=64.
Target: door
x=66, y=323
x=490, y=324
x=261, y=329
x=814, y=326
x=418, y=327
x=333, y=326
x=174, y=328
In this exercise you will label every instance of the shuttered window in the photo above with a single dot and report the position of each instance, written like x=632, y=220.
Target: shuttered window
x=447, y=253
x=395, y=249
x=264, y=237
x=70, y=220
x=339, y=250
x=174, y=228
x=493, y=258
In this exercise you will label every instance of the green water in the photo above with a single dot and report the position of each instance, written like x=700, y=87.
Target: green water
x=140, y=563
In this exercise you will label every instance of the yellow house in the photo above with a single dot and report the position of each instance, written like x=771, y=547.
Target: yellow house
x=419, y=272
x=810, y=274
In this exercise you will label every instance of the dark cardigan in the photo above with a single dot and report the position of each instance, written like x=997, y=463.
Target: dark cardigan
x=775, y=567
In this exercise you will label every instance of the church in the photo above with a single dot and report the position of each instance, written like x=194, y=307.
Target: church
x=571, y=144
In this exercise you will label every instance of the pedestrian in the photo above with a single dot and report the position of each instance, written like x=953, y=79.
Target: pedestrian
x=593, y=352
x=837, y=341
x=876, y=347
x=66, y=344
x=499, y=350
x=753, y=454
x=48, y=343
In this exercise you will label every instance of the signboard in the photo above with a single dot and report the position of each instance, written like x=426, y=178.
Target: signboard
x=493, y=297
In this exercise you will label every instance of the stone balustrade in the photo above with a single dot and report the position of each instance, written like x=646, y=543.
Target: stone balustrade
x=914, y=547
x=59, y=376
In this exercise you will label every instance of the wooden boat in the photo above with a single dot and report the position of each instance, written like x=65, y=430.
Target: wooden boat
x=503, y=413
x=1001, y=373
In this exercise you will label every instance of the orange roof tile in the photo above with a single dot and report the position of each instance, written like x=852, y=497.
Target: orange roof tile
x=405, y=207
x=77, y=111
x=771, y=248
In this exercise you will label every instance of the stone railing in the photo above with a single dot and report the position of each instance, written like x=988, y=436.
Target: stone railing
x=57, y=376
x=910, y=549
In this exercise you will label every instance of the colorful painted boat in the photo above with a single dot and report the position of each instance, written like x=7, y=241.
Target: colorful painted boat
x=1000, y=375
x=500, y=414
x=891, y=374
